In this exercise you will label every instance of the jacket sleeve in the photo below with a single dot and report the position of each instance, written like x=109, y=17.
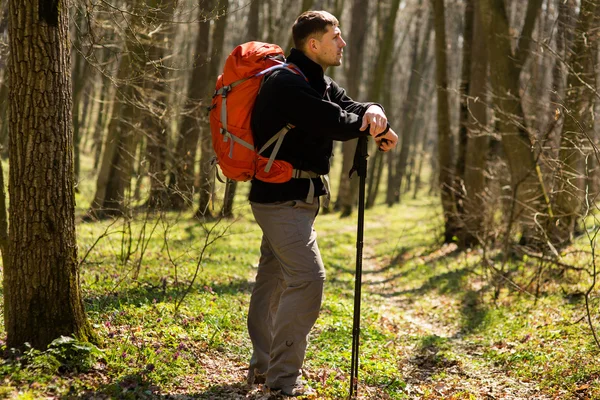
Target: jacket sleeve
x=339, y=96
x=304, y=108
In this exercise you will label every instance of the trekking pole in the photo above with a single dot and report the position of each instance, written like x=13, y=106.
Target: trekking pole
x=360, y=166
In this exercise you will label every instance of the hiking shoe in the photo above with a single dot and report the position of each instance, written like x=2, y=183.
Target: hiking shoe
x=296, y=391
x=255, y=378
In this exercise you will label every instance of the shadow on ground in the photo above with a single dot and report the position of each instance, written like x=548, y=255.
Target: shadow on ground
x=149, y=292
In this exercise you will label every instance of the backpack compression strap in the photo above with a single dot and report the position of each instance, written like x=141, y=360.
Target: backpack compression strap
x=228, y=136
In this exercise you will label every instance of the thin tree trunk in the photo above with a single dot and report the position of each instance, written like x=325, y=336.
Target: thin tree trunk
x=181, y=185
x=3, y=115
x=477, y=140
x=103, y=112
x=114, y=177
x=463, y=117
x=254, y=20
x=578, y=127
x=3, y=220
x=155, y=125
x=206, y=184
x=375, y=92
x=445, y=145
x=78, y=78
x=42, y=299
x=348, y=189
x=411, y=104
x=505, y=68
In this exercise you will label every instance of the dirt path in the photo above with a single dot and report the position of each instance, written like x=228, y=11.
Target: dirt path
x=427, y=371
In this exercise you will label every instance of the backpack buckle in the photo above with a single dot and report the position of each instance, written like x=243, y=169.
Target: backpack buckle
x=224, y=90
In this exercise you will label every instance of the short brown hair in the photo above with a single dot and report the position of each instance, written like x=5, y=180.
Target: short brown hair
x=311, y=23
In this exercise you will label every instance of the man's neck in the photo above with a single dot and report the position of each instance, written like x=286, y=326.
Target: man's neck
x=313, y=58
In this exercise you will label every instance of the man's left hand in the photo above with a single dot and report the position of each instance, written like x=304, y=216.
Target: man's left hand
x=375, y=119
x=388, y=141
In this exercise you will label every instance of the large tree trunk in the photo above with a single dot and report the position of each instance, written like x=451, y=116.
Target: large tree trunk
x=114, y=177
x=348, y=189
x=445, y=145
x=206, y=182
x=505, y=68
x=42, y=300
x=578, y=126
x=477, y=140
x=181, y=184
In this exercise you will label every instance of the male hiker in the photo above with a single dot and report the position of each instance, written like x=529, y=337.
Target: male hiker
x=287, y=296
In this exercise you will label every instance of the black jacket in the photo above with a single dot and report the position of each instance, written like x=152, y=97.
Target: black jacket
x=321, y=112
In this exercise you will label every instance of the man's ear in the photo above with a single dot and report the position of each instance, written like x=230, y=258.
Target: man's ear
x=313, y=45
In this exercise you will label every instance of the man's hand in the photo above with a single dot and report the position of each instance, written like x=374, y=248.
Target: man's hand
x=375, y=119
x=388, y=141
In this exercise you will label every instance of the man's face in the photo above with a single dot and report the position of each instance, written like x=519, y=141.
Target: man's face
x=330, y=48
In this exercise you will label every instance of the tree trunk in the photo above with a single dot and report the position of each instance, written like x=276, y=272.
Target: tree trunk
x=411, y=105
x=477, y=140
x=42, y=299
x=463, y=119
x=578, y=127
x=505, y=68
x=114, y=177
x=348, y=189
x=104, y=110
x=181, y=184
x=155, y=121
x=445, y=145
x=206, y=184
x=231, y=187
x=375, y=91
x=3, y=114
x=306, y=5
x=253, y=20
x=3, y=219
x=78, y=81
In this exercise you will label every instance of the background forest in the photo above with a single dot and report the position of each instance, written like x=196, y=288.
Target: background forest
x=127, y=263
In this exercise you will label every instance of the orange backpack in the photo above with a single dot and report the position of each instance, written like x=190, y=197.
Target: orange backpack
x=231, y=112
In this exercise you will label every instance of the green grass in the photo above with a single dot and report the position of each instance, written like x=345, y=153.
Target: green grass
x=431, y=327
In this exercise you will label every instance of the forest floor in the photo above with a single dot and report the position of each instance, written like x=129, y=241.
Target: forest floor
x=168, y=298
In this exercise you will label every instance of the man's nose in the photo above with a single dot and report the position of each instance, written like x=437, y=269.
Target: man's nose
x=343, y=42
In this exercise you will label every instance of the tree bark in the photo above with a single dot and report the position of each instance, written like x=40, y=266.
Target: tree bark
x=3, y=220
x=463, y=117
x=42, y=299
x=231, y=187
x=411, y=105
x=78, y=78
x=348, y=189
x=206, y=184
x=445, y=145
x=528, y=190
x=375, y=92
x=181, y=183
x=253, y=20
x=156, y=114
x=3, y=115
x=477, y=140
x=578, y=127
x=114, y=177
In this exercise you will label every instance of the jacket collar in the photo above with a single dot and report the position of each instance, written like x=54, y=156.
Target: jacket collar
x=313, y=71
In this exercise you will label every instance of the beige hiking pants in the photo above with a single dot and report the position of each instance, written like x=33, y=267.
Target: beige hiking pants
x=286, y=299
